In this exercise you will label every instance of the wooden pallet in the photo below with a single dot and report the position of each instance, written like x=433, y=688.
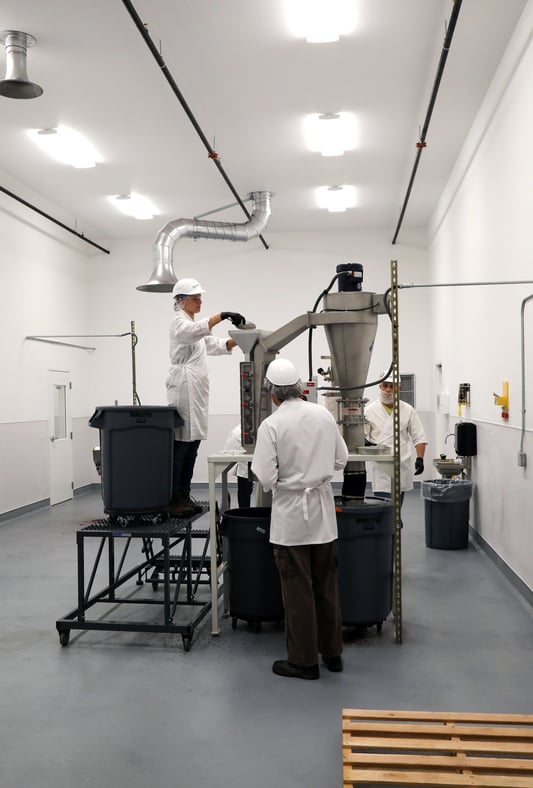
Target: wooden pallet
x=444, y=749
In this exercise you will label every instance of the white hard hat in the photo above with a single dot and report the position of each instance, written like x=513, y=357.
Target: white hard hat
x=282, y=372
x=386, y=378
x=187, y=287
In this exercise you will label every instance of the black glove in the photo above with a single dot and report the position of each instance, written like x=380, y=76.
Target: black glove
x=235, y=317
x=419, y=466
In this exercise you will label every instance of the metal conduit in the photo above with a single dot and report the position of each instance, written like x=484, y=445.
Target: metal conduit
x=523, y=370
x=421, y=144
x=179, y=95
x=52, y=219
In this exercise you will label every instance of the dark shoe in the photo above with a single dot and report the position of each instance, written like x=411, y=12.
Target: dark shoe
x=284, y=668
x=179, y=507
x=334, y=664
x=197, y=509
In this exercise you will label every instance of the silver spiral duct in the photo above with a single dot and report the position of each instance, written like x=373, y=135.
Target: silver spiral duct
x=16, y=83
x=163, y=277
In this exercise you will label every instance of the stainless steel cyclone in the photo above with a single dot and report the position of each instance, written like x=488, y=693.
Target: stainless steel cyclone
x=351, y=346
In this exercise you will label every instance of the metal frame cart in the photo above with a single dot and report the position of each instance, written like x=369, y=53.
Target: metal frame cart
x=160, y=567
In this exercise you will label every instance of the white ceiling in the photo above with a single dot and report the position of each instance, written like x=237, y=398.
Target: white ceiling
x=249, y=84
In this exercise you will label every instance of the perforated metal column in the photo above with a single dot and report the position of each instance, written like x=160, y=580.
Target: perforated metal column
x=396, y=489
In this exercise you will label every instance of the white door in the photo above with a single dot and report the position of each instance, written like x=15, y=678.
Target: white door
x=60, y=433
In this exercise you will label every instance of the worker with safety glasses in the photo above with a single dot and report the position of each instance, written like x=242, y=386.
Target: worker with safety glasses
x=187, y=384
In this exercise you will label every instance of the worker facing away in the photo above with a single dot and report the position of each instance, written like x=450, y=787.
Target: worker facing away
x=298, y=448
x=188, y=384
x=379, y=431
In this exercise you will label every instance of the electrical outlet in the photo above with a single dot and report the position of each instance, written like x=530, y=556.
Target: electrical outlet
x=522, y=459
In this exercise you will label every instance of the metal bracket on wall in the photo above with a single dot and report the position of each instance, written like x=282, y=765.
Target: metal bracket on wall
x=52, y=339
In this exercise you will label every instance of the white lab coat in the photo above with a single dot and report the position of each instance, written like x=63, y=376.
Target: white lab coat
x=379, y=430
x=297, y=450
x=188, y=381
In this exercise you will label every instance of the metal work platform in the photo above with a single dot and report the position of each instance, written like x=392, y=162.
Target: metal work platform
x=173, y=572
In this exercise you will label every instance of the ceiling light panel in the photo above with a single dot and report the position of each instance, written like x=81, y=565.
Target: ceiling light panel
x=320, y=21
x=336, y=199
x=135, y=205
x=331, y=133
x=66, y=146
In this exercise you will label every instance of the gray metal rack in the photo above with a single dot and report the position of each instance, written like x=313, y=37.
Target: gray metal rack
x=180, y=574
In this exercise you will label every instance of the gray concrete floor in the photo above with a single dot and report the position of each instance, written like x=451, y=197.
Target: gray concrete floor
x=130, y=709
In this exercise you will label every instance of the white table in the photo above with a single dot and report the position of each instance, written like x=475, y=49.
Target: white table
x=219, y=465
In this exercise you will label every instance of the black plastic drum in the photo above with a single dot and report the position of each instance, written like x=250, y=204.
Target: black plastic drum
x=365, y=554
x=254, y=584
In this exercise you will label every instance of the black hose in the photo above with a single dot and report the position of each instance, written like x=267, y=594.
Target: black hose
x=311, y=328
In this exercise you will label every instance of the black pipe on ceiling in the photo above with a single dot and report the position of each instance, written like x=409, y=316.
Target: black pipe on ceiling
x=421, y=144
x=179, y=95
x=52, y=219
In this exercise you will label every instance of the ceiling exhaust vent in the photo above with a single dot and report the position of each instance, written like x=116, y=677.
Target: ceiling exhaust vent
x=163, y=277
x=16, y=83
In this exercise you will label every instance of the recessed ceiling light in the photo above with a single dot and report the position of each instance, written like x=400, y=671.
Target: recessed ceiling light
x=67, y=146
x=320, y=21
x=331, y=133
x=336, y=198
x=135, y=205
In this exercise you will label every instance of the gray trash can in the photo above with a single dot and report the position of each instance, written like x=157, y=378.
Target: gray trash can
x=136, y=445
x=447, y=506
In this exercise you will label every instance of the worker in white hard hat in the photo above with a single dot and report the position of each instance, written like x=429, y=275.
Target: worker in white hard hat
x=379, y=431
x=298, y=448
x=188, y=383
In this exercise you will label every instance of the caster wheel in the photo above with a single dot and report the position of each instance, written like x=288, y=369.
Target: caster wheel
x=187, y=643
x=64, y=637
x=234, y=623
x=155, y=586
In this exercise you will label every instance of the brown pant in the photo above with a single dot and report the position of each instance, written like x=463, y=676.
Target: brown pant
x=311, y=599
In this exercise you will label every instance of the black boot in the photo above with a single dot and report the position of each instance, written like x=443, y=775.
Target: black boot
x=197, y=509
x=180, y=505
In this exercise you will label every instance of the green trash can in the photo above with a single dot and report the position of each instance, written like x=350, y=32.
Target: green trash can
x=446, y=509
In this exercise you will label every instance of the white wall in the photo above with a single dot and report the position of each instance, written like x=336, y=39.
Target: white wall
x=482, y=232
x=44, y=273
